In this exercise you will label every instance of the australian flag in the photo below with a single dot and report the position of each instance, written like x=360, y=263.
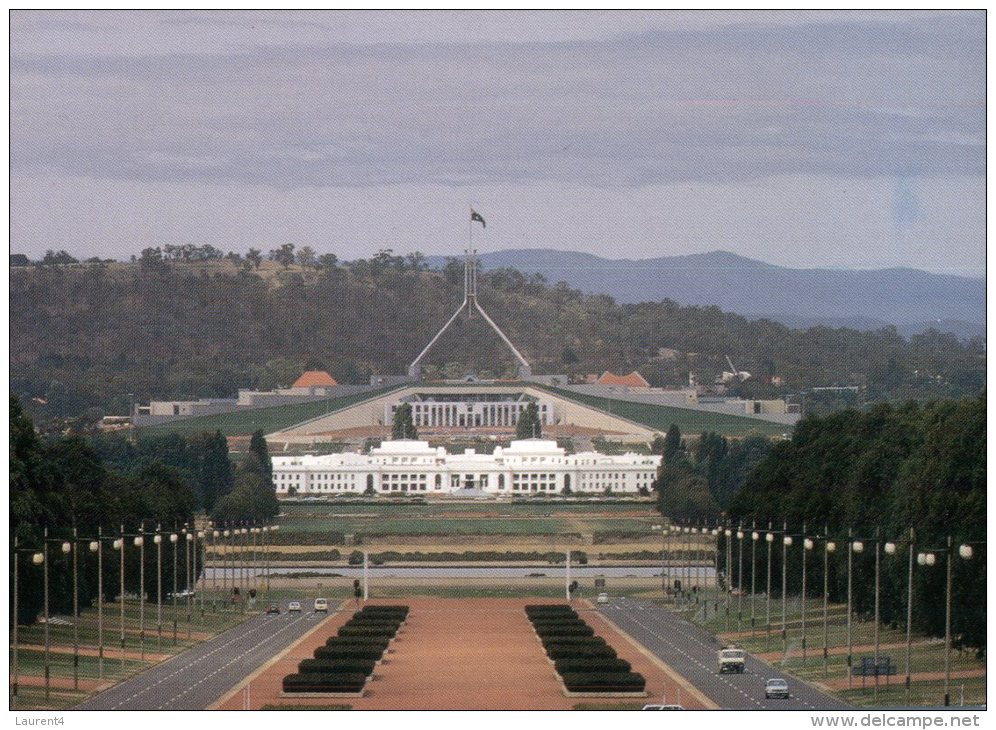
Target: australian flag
x=475, y=216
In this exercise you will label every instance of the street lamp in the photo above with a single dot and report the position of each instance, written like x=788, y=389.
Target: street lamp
x=42, y=559
x=158, y=540
x=119, y=545
x=188, y=566
x=140, y=544
x=728, y=534
x=769, y=537
x=215, y=534
x=807, y=547
x=786, y=542
x=96, y=546
x=199, y=535
x=754, y=536
x=76, y=606
x=830, y=547
x=740, y=576
x=173, y=539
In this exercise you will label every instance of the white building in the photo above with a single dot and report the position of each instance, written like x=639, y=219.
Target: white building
x=525, y=467
x=434, y=409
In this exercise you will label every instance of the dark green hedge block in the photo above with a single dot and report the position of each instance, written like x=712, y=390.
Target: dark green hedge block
x=604, y=665
x=612, y=682
x=356, y=653
x=360, y=642
x=342, y=666
x=544, y=631
x=366, y=631
x=560, y=651
x=573, y=640
x=324, y=682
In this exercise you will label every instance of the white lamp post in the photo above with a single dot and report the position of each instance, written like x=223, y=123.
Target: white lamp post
x=807, y=546
x=786, y=542
x=173, y=539
x=769, y=538
x=140, y=544
x=119, y=545
x=830, y=547
x=96, y=546
x=190, y=579
x=754, y=536
x=158, y=540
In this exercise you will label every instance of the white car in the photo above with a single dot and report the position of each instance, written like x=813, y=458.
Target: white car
x=776, y=688
x=294, y=607
x=321, y=605
x=663, y=707
x=602, y=598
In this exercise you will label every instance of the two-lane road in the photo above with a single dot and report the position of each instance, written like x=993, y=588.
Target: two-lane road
x=691, y=651
x=194, y=679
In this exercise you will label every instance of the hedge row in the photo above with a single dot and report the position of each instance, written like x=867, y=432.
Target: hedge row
x=584, y=660
x=346, y=660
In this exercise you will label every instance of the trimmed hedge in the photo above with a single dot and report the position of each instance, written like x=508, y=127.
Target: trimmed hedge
x=612, y=682
x=573, y=640
x=367, y=631
x=563, y=630
x=324, y=682
x=323, y=666
x=560, y=651
x=551, y=610
x=603, y=665
x=360, y=642
x=354, y=653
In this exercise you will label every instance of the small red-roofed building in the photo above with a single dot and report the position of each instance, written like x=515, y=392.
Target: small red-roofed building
x=633, y=380
x=313, y=382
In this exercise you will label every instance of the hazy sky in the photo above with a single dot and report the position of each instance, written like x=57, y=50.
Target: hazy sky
x=808, y=139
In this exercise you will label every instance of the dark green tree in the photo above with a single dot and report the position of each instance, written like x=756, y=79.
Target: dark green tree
x=403, y=427
x=257, y=446
x=529, y=425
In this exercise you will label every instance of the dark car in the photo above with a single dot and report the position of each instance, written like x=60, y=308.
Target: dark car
x=273, y=608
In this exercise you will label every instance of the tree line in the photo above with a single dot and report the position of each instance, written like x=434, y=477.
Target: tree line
x=66, y=482
x=91, y=339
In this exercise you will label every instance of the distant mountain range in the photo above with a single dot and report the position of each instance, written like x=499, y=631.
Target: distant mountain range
x=910, y=299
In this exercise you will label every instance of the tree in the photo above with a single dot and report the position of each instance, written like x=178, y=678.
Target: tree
x=328, y=262
x=403, y=426
x=672, y=443
x=257, y=446
x=283, y=255
x=214, y=468
x=52, y=258
x=19, y=259
x=529, y=425
x=255, y=256
x=306, y=257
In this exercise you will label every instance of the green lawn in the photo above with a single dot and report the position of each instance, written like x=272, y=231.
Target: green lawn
x=687, y=419
x=268, y=420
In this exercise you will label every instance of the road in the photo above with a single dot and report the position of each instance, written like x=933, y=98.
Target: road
x=691, y=651
x=199, y=676
x=702, y=574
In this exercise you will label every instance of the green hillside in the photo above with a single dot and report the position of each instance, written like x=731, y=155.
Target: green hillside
x=268, y=420
x=686, y=419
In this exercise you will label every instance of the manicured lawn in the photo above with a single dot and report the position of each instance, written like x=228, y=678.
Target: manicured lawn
x=688, y=420
x=268, y=420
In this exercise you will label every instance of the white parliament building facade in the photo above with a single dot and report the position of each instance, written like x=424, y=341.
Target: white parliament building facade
x=526, y=466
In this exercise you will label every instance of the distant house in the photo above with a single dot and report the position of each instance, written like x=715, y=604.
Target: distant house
x=313, y=382
x=633, y=380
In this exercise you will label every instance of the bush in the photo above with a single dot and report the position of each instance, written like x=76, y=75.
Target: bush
x=561, y=651
x=322, y=666
x=357, y=653
x=612, y=682
x=556, y=608
x=547, y=630
x=591, y=666
x=359, y=642
x=573, y=640
x=324, y=682
x=368, y=631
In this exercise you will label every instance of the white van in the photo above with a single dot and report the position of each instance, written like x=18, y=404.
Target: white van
x=321, y=605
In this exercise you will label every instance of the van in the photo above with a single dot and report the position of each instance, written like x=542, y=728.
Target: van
x=321, y=605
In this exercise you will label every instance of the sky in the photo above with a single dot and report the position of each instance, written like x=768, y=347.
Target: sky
x=804, y=139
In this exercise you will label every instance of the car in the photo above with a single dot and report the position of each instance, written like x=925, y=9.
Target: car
x=776, y=689
x=273, y=608
x=602, y=598
x=321, y=605
x=663, y=707
x=294, y=607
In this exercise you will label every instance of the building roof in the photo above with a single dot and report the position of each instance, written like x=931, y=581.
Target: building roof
x=312, y=378
x=633, y=380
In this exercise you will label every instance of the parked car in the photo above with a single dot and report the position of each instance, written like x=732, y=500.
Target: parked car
x=776, y=689
x=294, y=607
x=602, y=598
x=321, y=605
x=663, y=707
x=273, y=608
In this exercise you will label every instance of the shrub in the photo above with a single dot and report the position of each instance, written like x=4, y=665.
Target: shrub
x=612, y=682
x=560, y=651
x=324, y=682
x=359, y=642
x=348, y=653
x=573, y=640
x=323, y=666
x=591, y=666
x=547, y=630
x=367, y=631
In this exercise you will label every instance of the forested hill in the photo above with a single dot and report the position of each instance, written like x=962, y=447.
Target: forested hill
x=102, y=335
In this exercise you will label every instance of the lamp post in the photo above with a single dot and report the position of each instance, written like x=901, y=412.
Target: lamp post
x=807, y=546
x=97, y=546
x=67, y=548
x=829, y=547
x=854, y=546
x=199, y=595
x=890, y=549
x=190, y=579
x=215, y=534
x=877, y=587
x=36, y=559
x=909, y=618
x=728, y=534
x=173, y=538
x=740, y=575
x=769, y=537
x=42, y=559
x=754, y=536
x=786, y=542
x=76, y=610
x=158, y=540
x=140, y=544
x=227, y=534
x=119, y=545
